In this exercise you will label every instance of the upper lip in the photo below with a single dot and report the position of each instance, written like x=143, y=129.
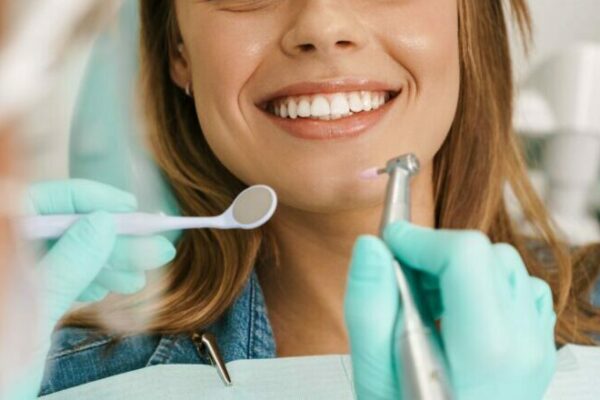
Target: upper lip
x=329, y=86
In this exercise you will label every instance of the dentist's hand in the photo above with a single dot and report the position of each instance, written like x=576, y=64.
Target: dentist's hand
x=90, y=260
x=497, y=322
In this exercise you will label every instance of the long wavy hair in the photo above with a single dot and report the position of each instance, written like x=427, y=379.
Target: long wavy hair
x=479, y=156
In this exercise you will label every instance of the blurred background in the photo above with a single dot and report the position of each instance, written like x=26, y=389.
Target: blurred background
x=557, y=115
x=558, y=112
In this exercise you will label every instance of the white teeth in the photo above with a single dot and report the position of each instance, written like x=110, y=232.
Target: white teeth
x=355, y=102
x=320, y=107
x=366, y=101
x=376, y=100
x=292, y=109
x=339, y=105
x=304, y=107
x=328, y=106
x=283, y=111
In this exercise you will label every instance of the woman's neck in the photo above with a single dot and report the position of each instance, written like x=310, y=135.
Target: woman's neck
x=305, y=293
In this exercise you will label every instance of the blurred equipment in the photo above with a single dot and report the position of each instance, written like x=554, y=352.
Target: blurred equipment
x=50, y=29
x=107, y=141
x=40, y=42
x=560, y=102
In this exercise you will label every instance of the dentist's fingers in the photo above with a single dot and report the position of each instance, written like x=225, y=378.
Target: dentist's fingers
x=461, y=260
x=141, y=253
x=124, y=272
x=513, y=266
x=469, y=287
x=429, y=282
x=531, y=292
x=75, y=260
x=543, y=296
x=434, y=302
x=520, y=307
x=514, y=286
x=78, y=196
x=430, y=287
x=545, y=306
x=122, y=282
x=544, y=302
x=93, y=293
x=371, y=307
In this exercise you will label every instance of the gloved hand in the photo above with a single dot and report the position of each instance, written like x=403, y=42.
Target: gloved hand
x=497, y=322
x=89, y=260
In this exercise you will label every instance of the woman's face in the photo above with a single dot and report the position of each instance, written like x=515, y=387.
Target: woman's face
x=240, y=55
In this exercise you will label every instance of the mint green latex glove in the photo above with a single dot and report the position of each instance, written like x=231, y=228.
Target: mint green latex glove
x=497, y=322
x=89, y=260
x=90, y=267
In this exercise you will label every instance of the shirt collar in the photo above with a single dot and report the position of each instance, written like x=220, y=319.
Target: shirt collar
x=243, y=332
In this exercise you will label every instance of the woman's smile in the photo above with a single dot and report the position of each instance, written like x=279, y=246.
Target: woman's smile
x=330, y=126
x=329, y=110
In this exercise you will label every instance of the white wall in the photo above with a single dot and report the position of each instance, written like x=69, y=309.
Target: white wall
x=558, y=24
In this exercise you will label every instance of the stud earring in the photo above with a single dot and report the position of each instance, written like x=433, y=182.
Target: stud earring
x=188, y=89
x=188, y=86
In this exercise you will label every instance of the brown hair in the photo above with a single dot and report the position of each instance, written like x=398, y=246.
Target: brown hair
x=479, y=156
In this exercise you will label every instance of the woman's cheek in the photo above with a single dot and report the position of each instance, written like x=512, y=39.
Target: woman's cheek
x=429, y=60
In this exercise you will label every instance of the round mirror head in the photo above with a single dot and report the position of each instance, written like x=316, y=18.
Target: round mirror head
x=254, y=206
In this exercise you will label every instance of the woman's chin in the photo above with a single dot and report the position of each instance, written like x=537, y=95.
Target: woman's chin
x=332, y=194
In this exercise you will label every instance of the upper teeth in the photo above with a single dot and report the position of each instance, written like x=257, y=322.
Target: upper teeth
x=328, y=106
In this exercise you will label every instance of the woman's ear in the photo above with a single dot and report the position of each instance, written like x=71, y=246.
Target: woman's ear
x=181, y=73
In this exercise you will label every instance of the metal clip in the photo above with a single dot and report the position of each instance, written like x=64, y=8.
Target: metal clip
x=206, y=343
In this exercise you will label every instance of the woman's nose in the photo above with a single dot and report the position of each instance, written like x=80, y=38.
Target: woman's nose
x=324, y=27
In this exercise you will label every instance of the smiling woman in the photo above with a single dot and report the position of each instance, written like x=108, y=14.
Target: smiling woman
x=303, y=96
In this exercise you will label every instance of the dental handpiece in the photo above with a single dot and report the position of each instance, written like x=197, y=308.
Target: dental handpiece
x=421, y=362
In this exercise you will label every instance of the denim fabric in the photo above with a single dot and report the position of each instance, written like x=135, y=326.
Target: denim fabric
x=80, y=355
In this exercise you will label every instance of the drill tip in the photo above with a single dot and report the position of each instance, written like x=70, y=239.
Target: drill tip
x=370, y=174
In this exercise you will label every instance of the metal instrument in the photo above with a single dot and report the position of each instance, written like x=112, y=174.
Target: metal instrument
x=421, y=362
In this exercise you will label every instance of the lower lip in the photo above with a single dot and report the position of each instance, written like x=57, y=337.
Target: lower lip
x=346, y=127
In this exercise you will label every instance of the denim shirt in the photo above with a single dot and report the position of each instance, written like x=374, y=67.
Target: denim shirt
x=78, y=356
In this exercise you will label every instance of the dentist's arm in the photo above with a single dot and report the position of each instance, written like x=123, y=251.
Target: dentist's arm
x=497, y=322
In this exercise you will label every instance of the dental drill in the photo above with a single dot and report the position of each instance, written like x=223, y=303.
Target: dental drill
x=421, y=363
